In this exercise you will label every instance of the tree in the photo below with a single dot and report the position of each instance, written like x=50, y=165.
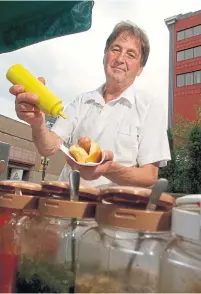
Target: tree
x=168, y=172
x=193, y=173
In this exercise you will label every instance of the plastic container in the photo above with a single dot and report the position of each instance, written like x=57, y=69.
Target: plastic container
x=125, y=247
x=180, y=266
x=48, y=102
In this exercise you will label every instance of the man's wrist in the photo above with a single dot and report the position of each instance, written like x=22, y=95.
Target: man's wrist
x=110, y=170
x=39, y=127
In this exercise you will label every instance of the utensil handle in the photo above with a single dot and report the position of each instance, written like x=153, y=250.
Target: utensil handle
x=74, y=183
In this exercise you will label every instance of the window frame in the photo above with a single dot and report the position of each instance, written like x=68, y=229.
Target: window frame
x=181, y=35
x=184, y=76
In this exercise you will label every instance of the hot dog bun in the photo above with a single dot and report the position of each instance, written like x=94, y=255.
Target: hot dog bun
x=94, y=153
x=86, y=151
x=78, y=153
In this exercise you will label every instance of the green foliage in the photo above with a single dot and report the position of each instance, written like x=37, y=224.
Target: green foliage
x=184, y=170
x=193, y=173
x=169, y=171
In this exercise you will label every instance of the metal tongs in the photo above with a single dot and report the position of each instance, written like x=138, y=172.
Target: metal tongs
x=159, y=187
x=74, y=183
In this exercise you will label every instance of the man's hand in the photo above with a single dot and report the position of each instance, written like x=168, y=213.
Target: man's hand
x=25, y=105
x=90, y=173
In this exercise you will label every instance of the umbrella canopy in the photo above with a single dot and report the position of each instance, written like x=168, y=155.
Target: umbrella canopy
x=23, y=23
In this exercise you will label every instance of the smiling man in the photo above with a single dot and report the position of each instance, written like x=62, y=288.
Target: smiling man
x=131, y=125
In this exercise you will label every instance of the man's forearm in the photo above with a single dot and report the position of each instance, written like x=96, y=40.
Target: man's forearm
x=131, y=176
x=46, y=142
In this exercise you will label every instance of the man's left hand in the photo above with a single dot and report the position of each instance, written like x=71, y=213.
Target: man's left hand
x=90, y=173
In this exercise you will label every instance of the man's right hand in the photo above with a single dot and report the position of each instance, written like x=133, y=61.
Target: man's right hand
x=25, y=106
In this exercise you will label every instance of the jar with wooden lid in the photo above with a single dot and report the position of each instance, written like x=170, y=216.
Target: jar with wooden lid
x=180, y=267
x=122, y=253
x=15, y=208
x=58, y=189
x=53, y=239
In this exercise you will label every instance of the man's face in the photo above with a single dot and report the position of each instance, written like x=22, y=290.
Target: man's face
x=122, y=60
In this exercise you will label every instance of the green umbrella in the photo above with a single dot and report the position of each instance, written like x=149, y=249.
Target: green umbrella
x=23, y=23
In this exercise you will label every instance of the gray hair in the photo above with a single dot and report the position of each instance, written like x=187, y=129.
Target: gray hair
x=131, y=29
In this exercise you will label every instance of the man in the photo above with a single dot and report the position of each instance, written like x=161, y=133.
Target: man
x=129, y=124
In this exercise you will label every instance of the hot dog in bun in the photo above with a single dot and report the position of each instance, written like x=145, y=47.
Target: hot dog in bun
x=86, y=151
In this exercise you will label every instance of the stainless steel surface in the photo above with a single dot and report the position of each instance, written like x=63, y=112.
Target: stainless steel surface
x=159, y=187
x=74, y=183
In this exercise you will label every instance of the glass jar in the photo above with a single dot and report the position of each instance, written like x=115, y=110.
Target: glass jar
x=180, y=268
x=50, y=263
x=57, y=189
x=12, y=218
x=125, y=247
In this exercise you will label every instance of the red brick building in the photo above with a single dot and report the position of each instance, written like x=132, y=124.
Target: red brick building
x=184, y=65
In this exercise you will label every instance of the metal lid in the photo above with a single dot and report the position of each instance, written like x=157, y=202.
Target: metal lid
x=130, y=218
x=20, y=187
x=13, y=201
x=66, y=209
x=186, y=217
x=135, y=197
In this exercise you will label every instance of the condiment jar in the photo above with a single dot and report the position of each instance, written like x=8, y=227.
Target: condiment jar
x=57, y=189
x=180, y=268
x=13, y=209
x=125, y=247
x=53, y=242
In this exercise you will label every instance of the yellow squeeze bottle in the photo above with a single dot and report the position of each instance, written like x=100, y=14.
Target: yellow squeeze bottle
x=48, y=102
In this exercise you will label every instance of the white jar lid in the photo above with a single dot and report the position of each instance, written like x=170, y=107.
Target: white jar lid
x=186, y=217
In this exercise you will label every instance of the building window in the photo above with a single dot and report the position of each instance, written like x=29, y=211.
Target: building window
x=188, y=53
x=188, y=33
x=197, y=30
x=180, y=35
x=189, y=78
x=197, y=77
x=180, y=55
x=197, y=51
x=180, y=80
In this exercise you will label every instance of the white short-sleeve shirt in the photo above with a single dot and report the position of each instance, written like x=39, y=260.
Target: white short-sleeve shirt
x=133, y=126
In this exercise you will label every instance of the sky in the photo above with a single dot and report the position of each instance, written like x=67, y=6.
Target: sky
x=73, y=64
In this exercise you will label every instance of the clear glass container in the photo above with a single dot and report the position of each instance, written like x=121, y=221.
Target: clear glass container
x=57, y=189
x=15, y=207
x=180, y=268
x=125, y=247
x=49, y=252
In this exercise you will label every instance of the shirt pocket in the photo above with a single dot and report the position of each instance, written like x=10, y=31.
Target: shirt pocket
x=127, y=143
x=123, y=143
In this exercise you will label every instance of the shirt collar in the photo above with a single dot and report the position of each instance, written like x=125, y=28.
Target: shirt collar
x=127, y=97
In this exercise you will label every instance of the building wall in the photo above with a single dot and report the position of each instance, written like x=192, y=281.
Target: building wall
x=186, y=98
x=23, y=153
